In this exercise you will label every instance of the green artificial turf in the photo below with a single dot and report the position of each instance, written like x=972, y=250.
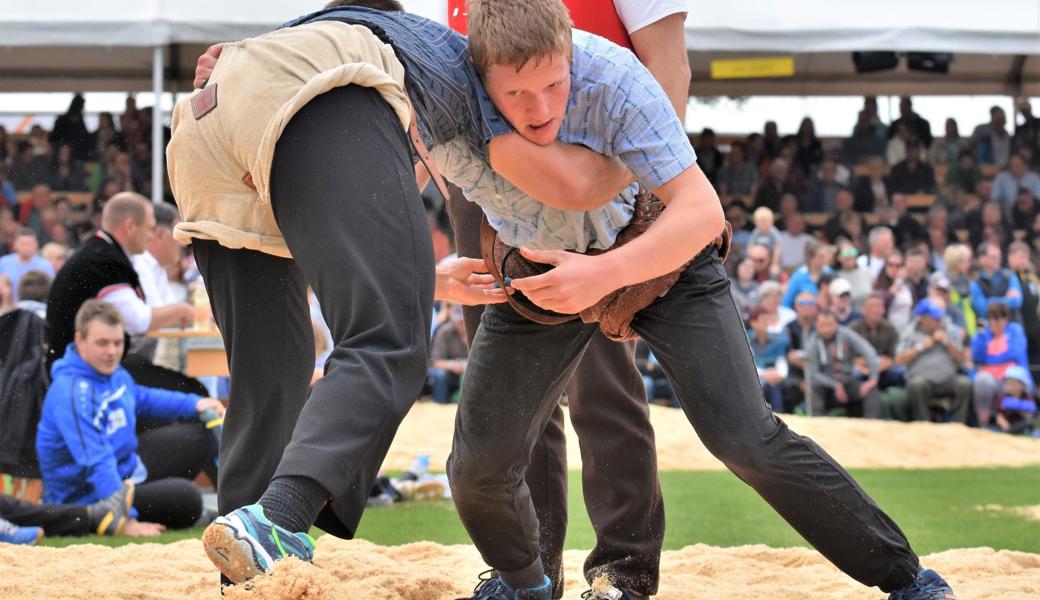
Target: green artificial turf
x=935, y=508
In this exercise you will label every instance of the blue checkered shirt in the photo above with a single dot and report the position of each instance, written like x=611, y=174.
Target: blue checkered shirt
x=447, y=93
x=616, y=108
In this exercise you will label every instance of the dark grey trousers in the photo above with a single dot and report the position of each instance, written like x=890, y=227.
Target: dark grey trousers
x=517, y=370
x=344, y=196
x=606, y=400
x=56, y=519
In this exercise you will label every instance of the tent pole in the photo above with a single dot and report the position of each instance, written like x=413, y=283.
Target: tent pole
x=157, y=124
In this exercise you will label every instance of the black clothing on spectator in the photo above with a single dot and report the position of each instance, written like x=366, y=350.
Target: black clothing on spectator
x=907, y=179
x=710, y=161
x=174, y=454
x=917, y=125
x=72, y=180
x=99, y=263
x=24, y=174
x=70, y=130
x=1023, y=219
x=809, y=155
x=863, y=194
x=832, y=229
x=908, y=230
x=23, y=385
x=56, y=519
x=1030, y=315
x=769, y=194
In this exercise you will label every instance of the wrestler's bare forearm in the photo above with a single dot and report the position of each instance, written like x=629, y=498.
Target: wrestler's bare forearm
x=692, y=220
x=564, y=176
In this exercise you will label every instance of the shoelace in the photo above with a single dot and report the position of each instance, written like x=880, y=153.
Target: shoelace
x=483, y=585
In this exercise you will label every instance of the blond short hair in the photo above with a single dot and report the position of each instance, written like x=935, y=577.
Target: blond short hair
x=762, y=212
x=512, y=32
x=956, y=254
x=52, y=250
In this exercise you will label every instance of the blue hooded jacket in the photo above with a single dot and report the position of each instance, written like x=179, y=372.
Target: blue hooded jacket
x=87, y=440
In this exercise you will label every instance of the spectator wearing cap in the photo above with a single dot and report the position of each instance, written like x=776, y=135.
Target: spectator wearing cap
x=994, y=283
x=861, y=282
x=932, y=353
x=807, y=278
x=939, y=290
x=769, y=300
x=834, y=383
x=840, y=292
x=769, y=349
x=1000, y=345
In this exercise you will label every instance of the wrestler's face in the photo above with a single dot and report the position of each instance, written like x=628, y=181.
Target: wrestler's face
x=533, y=98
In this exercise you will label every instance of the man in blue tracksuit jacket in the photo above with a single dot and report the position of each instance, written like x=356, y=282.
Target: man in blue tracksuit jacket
x=87, y=440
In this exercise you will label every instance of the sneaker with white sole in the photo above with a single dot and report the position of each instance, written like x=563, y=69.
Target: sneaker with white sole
x=244, y=544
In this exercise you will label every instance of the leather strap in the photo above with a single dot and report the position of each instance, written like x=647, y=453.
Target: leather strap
x=425, y=157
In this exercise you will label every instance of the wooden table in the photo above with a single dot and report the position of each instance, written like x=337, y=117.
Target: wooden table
x=203, y=351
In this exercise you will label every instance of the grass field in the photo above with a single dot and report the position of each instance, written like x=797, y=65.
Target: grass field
x=935, y=508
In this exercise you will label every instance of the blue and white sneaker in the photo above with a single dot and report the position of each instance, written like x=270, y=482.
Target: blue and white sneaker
x=24, y=536
x=244, y=544
x=493, y=588
x=928, y=585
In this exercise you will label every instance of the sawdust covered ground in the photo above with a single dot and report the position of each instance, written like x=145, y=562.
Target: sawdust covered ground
x=425, y=571
x=853, y=442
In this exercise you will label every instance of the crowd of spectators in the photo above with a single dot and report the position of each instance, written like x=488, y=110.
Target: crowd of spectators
x=887, y=252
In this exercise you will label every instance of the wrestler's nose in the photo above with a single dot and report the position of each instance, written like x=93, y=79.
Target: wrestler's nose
x=539, y=107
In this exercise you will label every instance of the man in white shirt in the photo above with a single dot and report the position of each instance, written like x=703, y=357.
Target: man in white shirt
x=162, y=252
x=882, y=242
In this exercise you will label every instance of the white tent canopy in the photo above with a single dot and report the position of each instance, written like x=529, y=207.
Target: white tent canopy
x=107, y=44
x=133, y=45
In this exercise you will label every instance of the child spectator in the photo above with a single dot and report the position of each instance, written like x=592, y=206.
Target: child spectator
x=766, y=234
x=1016, y=409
